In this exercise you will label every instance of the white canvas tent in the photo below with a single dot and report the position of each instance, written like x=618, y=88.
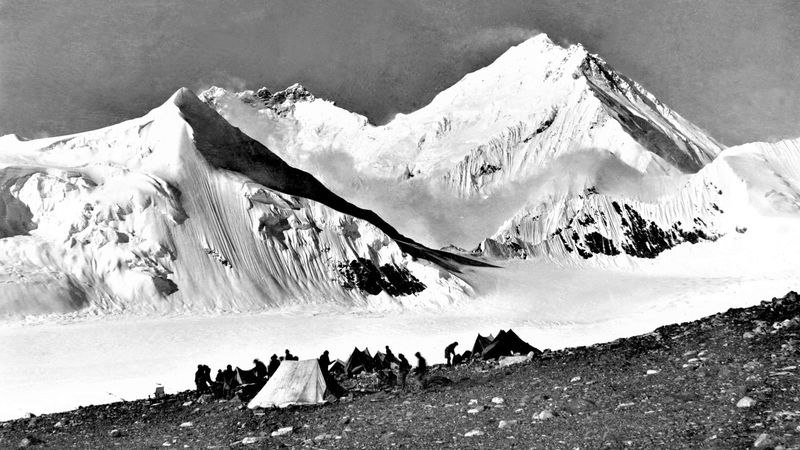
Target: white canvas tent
x=294, y=383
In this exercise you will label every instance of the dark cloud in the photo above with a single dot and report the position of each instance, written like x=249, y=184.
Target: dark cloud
x=67, y=66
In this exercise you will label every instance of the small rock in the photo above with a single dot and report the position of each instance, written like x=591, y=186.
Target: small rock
x=205, y=398
x=473, y=402
x=344, y=420
x=575, y=379
x=252, y=440
x=498, y=400
x=475, y=410
x=544, y=415
x=748, y=335
x=115, y=433
x=186, y=425
x=189, y=403
x=474, y=433
x=282, y=431
x=745, y=402
x=324, y=436
x=58, y=424
x=506, y=423
x=25, y=442
x=652, y=372
x=763, y=441
x=166, y=444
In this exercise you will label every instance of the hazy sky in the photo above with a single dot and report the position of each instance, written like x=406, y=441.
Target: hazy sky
x=732, y=67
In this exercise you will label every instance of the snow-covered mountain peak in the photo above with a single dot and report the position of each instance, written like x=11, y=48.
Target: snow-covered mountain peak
x=179, y=210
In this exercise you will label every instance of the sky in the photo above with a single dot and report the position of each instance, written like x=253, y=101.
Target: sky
x=730, y=66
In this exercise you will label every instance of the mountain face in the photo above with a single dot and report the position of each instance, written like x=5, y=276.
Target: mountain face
x=547, y=153
x=178, y=210
x=742, y=186
x=488, y=146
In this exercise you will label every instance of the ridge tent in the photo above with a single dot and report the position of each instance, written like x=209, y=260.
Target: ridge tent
x=480, y=344
x=336, y=366
x=358, y=362
x=507, y=343
x=379, y=360
x=294, y=383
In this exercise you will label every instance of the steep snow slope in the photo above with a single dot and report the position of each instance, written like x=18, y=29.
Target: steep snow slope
x=744, y=185
x=179, y=211
x=481, y=143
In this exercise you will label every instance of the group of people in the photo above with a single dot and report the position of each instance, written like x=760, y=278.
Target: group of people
x=226, y=381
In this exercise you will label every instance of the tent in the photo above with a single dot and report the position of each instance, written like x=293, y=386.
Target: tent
x=507, y=343
x=480, y=344
x=379, y=360
x=246, y=376
x=294, y=383
x=358, y=362
x=336, y=367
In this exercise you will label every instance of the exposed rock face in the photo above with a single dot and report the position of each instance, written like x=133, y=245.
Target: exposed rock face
x=743, y=184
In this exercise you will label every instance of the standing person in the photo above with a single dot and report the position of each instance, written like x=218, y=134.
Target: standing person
x=207, y=376
x=200, y=379
x=324, y=363
x=422, y=368
x=274, y=363
x=403, y=368
x=390, y=358
x=449, y=351
x=260, y=369
x=229, y=380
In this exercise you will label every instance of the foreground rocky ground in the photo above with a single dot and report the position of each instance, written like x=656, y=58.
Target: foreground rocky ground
x=726, y=381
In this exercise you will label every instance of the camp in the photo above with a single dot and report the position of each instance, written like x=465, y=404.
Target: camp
x=294, y=383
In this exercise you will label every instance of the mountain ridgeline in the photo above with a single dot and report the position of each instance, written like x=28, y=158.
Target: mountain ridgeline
x=225, y=201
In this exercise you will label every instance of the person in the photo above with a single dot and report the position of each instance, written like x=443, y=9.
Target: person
x=450, y=351
x=260, y=369
x=274, y=363
x=219, y=384
x=324, y=362
x=390, y=358
x=289, y=356
x=403, y=368
x=200, y=379
x=207, y=375
x=422, y=368
x=229, y=380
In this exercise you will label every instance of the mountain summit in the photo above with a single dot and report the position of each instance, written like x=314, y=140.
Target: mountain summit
x=492, y=143
x=178, y=210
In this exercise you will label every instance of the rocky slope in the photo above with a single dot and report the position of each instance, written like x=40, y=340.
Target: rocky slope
x=180, y=211
x=726, y=381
